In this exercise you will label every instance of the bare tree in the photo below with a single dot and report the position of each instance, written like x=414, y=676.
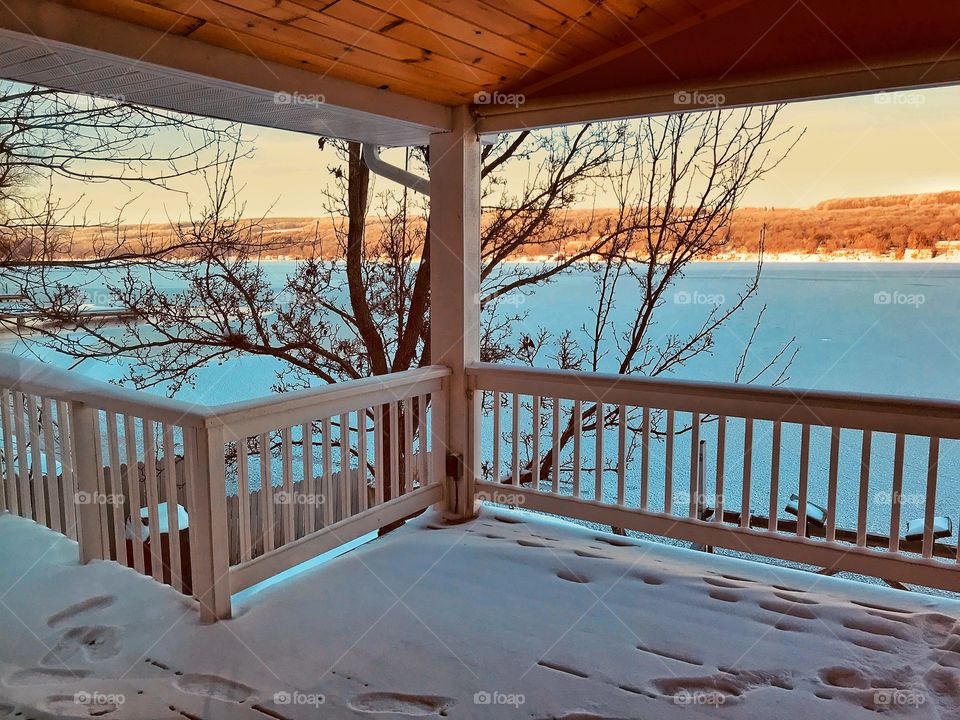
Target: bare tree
x=677, y=180
x=48, y=136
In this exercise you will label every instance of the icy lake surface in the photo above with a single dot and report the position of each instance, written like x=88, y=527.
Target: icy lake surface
x=861, y=327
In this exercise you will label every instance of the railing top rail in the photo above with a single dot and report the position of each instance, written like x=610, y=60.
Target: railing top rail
x=883, y=413
x=39, y=378
x=268, y=413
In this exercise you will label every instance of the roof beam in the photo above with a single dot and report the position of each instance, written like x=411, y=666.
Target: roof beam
x=806, y=83
x=339, y=108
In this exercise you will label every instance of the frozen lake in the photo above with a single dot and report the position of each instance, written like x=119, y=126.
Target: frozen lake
x=864, y=327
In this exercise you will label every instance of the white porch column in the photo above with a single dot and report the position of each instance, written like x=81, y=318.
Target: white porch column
x=209, y=553
x=455, y=293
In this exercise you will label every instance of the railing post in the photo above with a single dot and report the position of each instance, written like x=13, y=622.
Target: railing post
x=88, y=466
x=455, y=293
x=209, y=560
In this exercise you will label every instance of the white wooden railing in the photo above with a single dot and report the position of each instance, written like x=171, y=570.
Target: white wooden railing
x=869, y=463
x=92, y=435
x=355, y=433
x=250, y=489
x=88, y=459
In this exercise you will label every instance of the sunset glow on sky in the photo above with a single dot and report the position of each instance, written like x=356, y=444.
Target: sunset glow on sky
x=894, y=143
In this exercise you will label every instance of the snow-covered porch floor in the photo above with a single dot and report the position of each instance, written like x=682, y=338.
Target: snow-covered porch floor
x=506, y=616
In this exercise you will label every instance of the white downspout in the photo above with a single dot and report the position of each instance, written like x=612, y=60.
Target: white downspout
x=371, y=156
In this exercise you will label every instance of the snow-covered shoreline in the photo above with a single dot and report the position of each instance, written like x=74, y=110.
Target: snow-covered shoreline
x=946, y=258
x=949, y=257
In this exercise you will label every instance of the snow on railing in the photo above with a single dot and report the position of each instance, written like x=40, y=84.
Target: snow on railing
x=109, y=448
x=827, y=479
x=71, y=449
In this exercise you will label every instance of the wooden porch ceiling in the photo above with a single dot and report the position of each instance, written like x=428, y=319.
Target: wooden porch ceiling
x=752, y=52
x=567, y=60
x=444, y=51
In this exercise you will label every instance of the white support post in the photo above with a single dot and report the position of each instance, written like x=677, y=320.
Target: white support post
x=88, y=465
x=209, y=548
x=455, y=296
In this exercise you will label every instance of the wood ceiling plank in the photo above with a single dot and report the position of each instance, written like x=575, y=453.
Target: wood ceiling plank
x=597, y=15
x=641, y=18
x=493, y=19
x=343, y=58
x=390, y=25
x=447, y=21
x=347, y=34
x=675, y=11
x=323, y=66
x=554, y=23
x=644, y=41
x=625, y=20
x=140, y=13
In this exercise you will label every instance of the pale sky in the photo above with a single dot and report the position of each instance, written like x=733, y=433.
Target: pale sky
x=870, y=145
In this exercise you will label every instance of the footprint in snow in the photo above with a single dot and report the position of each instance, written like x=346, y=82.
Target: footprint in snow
x=400, y=704
x=532, y=543
x=594, y=555
x=43, y=676
x=74, y=706
x=572, y=576
x=213, y=686
x=91, y=642
x=98, y=602
x=723, y=687
x=716, y=582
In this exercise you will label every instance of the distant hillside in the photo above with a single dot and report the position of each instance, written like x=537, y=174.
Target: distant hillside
x=894, y=227
x=947, y=197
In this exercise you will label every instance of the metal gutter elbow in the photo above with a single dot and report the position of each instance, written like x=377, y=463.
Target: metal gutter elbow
x=371, y=156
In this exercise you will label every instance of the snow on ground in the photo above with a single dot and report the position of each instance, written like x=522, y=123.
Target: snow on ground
x=508, y=616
